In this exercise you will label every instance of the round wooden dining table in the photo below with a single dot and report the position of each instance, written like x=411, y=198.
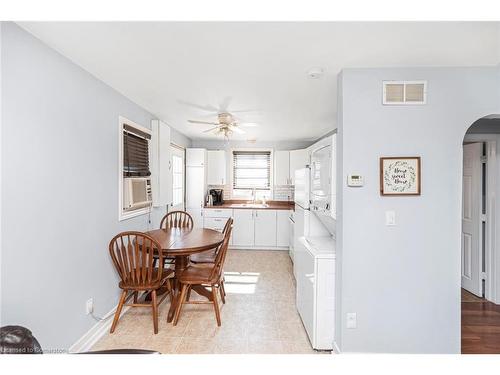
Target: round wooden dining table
x=181, y=243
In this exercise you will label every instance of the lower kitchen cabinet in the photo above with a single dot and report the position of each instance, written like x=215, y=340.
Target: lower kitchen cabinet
x=265, y=228
x=243, y=228
x=283, y=228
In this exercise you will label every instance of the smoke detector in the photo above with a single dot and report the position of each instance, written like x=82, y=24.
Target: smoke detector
x=315, y=73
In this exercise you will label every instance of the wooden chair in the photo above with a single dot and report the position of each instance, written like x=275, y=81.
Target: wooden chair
x=177, y=219
x=133, y=255
x=210, y=255
x=205, y=275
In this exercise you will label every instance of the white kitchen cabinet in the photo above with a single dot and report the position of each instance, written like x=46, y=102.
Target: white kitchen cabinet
x=219, y=212
x=298, y=159
x=216, y=218
x=196, y=157
x=161, y=166
x=282, y=168
x=282, y=228
x=243, y=228
x=195, y=187
x=197, y=215
x=216, y=167
x=265, y=227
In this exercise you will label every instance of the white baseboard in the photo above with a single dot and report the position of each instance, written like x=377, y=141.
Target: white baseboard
x=94, y=334
x=336, y=348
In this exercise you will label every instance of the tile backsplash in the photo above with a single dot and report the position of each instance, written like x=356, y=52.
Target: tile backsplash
x=284, y=192
x=281, y=192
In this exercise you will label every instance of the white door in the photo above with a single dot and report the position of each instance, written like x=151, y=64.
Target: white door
x=178, y=177
x=265, y=228
x=283, y=228
x=282, y=168
x=216, y=167
x=243, y=228
x=471, y=219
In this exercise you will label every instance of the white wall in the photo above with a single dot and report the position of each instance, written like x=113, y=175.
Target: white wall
x=59, y=190
x=278, y=145
x=404, y=281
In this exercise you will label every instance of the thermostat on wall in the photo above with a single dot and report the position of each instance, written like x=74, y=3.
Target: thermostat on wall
x=355, y=180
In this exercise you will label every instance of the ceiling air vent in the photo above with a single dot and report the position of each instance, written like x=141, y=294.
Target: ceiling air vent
x=404, y=92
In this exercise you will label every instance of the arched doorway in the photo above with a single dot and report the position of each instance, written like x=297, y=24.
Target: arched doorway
x=480, y=235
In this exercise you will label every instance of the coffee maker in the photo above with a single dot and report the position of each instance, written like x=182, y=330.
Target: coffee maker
x=217, y=196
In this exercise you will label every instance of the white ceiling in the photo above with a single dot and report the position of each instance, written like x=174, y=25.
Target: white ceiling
x=162, y=66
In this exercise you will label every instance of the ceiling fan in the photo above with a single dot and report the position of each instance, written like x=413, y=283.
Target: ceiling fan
x=225, y=125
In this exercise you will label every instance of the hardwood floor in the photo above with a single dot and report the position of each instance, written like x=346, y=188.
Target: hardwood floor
x=480, y=325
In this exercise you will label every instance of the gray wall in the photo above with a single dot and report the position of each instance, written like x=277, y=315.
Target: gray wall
x=404, y=281
x=59, y=190
x=179, y=138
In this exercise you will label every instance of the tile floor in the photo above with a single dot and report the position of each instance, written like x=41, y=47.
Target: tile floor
x=259, y=315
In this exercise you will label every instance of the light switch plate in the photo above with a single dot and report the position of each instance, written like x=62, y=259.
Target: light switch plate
x=390, y=218
x=351, y=321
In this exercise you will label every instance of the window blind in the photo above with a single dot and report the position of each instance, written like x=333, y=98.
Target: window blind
x=135, y=152
x=252, y=170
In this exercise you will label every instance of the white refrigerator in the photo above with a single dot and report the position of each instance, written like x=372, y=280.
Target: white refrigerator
x=301, y=214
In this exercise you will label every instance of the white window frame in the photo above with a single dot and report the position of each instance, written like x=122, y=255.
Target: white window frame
x=404, y=83
x=140, y=211
x=271, y=177
x=183, y=187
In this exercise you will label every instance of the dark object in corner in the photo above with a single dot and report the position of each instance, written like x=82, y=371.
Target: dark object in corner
x=18, y=340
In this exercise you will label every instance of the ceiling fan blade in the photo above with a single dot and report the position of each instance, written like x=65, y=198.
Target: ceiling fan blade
x=203, y=122
x=209, y=130
x=206, y=108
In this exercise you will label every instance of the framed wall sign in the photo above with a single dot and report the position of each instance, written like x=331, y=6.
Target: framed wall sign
x=400, y=176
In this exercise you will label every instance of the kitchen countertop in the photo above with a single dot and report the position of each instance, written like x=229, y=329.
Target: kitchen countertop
x=272, y=205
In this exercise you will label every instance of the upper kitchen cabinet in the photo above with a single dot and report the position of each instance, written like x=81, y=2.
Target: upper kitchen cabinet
x=216, y=172
x=196, y=157
x=282, y=168
x=161, y=166
x=298, y=159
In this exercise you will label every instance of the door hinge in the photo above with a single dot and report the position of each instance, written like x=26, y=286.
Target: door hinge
x=483, y=218
x=484, y=159
x=483, y=275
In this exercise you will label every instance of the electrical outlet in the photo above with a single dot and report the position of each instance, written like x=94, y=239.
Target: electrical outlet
x=89, y=306
x=351, y=320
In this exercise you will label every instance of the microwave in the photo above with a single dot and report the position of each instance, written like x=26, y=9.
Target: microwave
x=136, y=193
